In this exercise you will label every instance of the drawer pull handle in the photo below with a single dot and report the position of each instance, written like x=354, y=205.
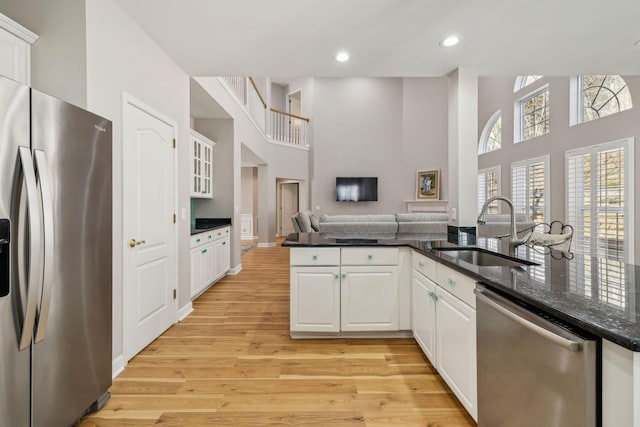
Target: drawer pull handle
x=197, y=240
x=224, y=243
x=421, y=264
x=314, y=257
x=451, y=282
x=336, y=276
x=370, y=256
x=204, y=251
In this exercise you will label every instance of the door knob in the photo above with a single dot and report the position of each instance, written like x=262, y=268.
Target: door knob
x=133, y=242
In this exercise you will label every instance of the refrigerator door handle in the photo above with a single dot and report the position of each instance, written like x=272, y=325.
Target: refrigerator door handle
x=35, y=243
x=48, y=231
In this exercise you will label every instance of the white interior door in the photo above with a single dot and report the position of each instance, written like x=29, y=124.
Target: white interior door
x=150, y=274
x=289, y=206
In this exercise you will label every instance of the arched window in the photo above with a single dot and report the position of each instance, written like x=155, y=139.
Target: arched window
x=491, y=138
x=523, y=81
x=601, y=96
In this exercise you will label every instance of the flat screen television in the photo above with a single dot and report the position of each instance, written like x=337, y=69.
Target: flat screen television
x=350, y=189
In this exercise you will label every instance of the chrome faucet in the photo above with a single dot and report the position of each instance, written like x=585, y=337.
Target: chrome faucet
x=514, y=240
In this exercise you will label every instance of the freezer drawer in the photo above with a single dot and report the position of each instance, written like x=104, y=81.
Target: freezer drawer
x=531, y=372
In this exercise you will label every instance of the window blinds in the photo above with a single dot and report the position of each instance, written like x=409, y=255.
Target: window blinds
x=488, y=185
x=528, y=188
x=596, y=197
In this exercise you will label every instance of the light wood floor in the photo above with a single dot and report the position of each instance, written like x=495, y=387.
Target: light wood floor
x=231, y=363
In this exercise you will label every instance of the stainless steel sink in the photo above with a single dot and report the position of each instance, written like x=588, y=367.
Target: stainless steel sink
x=484, y=258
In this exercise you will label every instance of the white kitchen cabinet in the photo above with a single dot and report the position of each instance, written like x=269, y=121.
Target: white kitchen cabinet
x=222, y=257
x=344, y=289
x=210, y=258
x=444, y=325
x=315, y=299
x=201, y=166
x=369, y=298
x=423, y=311
x=456, y=348
x=15, y=50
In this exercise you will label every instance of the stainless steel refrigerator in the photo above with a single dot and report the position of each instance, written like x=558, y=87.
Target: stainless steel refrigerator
x=55, y=259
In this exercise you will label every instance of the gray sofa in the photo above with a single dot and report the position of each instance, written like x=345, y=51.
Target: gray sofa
x=403, y=223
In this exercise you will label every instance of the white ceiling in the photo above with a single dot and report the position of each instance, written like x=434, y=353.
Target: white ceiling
x=295, y=38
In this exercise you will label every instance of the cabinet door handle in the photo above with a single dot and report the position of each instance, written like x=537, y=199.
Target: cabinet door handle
x=314, y=257
x=433, y=296
x=204, y=251
x=336, y=276
x=224, y=243
x=344, y=276
x=370, y=256
x=421, y=264
x=197, y=240
x=451, y=282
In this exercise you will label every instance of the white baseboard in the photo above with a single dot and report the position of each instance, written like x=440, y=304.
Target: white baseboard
x=185, y=311
x=117, y=366
x=267, y=245
x=235, y=270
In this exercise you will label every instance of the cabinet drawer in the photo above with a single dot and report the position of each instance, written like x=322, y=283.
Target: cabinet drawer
x=457, y=284
x=198, y=239
x=369, y=256
x=314, y=256
x=424, y=265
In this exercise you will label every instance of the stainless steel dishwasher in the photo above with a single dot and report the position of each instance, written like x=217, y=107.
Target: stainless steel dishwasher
x=532, y=372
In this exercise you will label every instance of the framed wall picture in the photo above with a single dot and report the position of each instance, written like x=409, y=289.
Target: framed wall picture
x=428, y=185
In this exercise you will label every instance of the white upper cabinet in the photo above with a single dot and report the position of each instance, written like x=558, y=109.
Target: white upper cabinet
x=201, y=166
x=15, y=50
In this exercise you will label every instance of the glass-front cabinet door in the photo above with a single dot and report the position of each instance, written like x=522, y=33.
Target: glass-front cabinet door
x=201, y=166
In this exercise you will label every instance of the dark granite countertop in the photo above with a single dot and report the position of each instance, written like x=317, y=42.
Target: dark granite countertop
x=598, y=295
x=203, y=225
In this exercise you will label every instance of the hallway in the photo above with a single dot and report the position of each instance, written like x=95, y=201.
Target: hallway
x=231, y=363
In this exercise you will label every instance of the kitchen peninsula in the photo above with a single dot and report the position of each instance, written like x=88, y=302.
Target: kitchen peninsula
x=555, y=285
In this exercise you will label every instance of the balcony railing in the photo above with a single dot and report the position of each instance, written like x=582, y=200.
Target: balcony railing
x=278, y=126
x=288, y=128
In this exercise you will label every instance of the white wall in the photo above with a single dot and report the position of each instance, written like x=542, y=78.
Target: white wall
x=246, y=203
x=122, y=58
x=58, y=58
x=495, y=93
x=384, y=127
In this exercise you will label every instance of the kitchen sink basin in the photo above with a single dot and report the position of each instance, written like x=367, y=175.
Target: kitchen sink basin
x=484, y=258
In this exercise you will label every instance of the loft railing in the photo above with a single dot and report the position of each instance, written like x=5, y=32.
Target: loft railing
x=238, y=85
x=289, y=128
x=256, y=105
x=279, y=126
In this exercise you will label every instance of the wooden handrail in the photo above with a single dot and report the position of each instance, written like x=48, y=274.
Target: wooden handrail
x=290, y=115
x=258, y=92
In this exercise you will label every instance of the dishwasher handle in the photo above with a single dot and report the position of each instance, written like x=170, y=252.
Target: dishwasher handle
x=557, y=339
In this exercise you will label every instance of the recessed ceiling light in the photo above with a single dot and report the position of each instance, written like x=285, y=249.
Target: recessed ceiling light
x=450, y=41
x=342, y=56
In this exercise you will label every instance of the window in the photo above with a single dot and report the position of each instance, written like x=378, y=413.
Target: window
x=529, y=188
x=523, y=81
x=532, y=118
x=600, y=208
x=488, y=186
x=599, y=96
x=491, y=138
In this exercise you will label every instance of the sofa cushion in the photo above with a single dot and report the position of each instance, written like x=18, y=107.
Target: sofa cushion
x=304, y=221
x=423, y=227
x=423, y=217
x=358, y=227
x=315, y=223
x=357, y=218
